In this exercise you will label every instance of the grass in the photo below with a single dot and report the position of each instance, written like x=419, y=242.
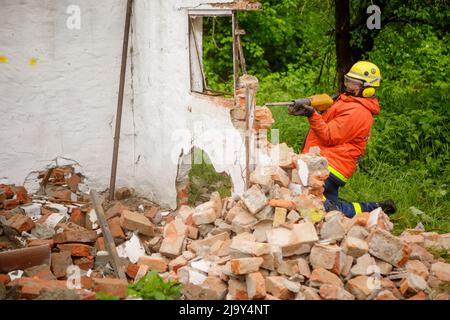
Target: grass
x=408, y=188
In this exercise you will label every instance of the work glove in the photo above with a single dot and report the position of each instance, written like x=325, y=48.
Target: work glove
x=300, y=109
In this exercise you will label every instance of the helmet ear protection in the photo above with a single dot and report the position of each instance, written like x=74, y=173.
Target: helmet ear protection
x=368, y=92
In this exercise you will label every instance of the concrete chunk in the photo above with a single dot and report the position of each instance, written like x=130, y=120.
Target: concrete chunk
x=154, y=263
x=256, y=285
x=295, y=241
x=389, y=248
x=275, y=286
x=205, y=213
x=262, y=175
x=359, y=287
x=203, y=246
x=237, y=289
x=332, y=292
x=412, y=284
x=240, y=248
x=355, y=247
x=364, y=266
x=332, y=229
x=136, y=222
x=172, y=246
x=254, y=199
x=245, y=265
x=212, y=288
x=330, y=257
x=322, y=276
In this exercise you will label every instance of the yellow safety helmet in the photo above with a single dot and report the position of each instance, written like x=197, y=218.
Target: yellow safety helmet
x=369, y=73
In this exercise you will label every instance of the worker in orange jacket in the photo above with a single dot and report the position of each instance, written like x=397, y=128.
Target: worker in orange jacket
x=342, y=132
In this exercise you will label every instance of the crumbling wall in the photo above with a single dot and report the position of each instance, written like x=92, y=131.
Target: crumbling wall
x=59, y=94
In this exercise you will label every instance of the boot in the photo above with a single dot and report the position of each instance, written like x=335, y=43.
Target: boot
x=388, y=206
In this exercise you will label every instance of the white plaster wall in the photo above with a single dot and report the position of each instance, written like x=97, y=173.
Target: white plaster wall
x=65, y=104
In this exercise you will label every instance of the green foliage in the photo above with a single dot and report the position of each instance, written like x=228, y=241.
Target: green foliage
x=105, y=296
x=153, y=287
x=419, y=139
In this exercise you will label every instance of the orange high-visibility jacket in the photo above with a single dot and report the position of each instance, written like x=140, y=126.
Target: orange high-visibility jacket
x=342, y=132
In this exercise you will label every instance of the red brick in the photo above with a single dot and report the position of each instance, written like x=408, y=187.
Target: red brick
x=75, y=236
x=21, y=223
x=169, y=218
x=412, y=284
x=321, y=276
x=62, y=194
x=9, y=193
x=84, y=263
x=386, y=295
x=417, y=267
x=60, y=262
x=237, y=289
x=359, y=287
x=172, y=246
x=419, y=296
x=58, y=176
x=73, y=182
x=115, y=228
x=40, y=272
x=389, y=248
x=256, y=285
x=177, y=263
x=115, y=287
x=10, y=204
x=78, y=217
x=276, y=287
x=39, y=242
x=22, y=195
x=88, y=296
x=122, y=193
x=151, y=213
x=287, y=204
x=100, y=244
x=4, y=278
x=31, y=287
x=6, y=214
x=77, y=249
x=154, y=263
x=245, y=265
x=115, y=210
x=135, y=221
x=132, y=270
x=192, y=232
x=86, y=282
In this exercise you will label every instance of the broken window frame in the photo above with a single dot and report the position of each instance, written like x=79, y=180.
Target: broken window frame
x=238, y=53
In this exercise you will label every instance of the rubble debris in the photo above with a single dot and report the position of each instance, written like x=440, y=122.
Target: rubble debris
x=136, y=222
x=21, y=259
x=275, y=241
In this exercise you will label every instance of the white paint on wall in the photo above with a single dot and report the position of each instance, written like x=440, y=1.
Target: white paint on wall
x=64, y=105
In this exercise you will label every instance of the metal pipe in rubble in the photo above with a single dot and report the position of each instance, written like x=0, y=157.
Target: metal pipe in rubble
x=126, y=34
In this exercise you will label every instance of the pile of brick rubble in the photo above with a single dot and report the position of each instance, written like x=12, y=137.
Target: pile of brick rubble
x=274, y=241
